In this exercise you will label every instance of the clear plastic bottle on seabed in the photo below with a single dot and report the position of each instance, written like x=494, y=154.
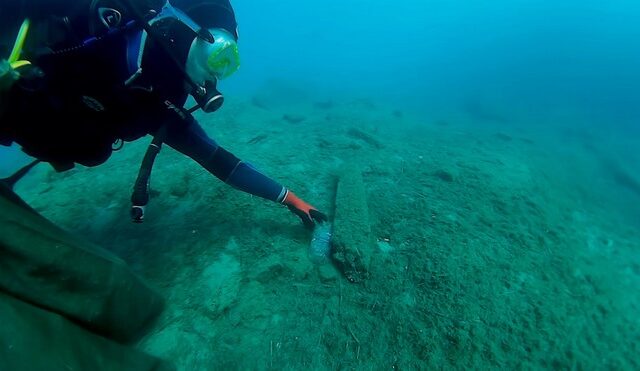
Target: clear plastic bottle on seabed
x=320, y=246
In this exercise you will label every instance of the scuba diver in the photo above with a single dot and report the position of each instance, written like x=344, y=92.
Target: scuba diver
x=85, y=76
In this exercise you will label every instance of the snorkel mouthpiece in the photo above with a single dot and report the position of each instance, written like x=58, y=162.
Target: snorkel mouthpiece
x=209, y=102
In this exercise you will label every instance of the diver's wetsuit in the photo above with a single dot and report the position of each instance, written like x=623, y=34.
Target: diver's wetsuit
x=82, y=104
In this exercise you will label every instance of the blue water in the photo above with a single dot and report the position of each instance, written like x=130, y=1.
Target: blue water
x=11, y=158
x=540, y=57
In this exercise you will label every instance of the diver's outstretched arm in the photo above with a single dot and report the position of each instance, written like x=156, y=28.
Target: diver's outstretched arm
x=191, y=140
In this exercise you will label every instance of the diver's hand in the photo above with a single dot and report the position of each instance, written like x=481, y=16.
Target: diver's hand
x=7, y=75
x=307, y=213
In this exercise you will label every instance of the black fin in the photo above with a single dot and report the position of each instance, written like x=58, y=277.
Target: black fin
x=11, y=181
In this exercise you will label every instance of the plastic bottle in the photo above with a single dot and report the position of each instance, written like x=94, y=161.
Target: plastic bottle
x=320, y=246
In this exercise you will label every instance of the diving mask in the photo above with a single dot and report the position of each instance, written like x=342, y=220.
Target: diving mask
x=213, y=61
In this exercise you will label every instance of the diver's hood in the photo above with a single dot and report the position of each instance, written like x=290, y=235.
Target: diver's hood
x=179, y=33
x=175, y=30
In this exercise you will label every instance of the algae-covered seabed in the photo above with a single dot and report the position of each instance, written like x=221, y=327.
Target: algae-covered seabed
x=500, y=244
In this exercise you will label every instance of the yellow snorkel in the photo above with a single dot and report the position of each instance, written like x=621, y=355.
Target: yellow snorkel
x=14, y=61
x=9, y=67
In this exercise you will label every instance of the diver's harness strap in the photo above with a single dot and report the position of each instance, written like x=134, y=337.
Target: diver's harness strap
x=140, y=196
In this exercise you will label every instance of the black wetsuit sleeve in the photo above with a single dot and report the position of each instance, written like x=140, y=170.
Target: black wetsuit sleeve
x=191, y=140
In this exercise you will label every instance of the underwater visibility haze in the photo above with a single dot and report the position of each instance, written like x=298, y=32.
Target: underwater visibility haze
x=479, y=163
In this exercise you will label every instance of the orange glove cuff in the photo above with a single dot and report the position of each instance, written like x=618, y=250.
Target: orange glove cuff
x=290, y=199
